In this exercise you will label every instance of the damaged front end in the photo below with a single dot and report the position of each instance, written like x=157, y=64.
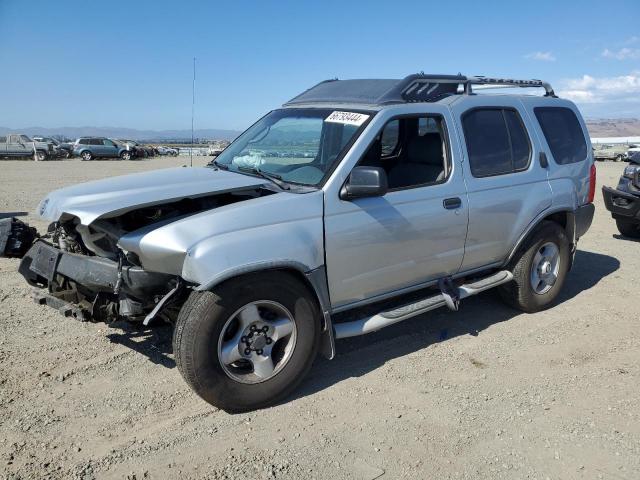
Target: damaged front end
x=90, y=287
x=105, y=256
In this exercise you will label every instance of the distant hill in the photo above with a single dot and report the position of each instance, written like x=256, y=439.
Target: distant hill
x=598, y=127
x=128, y=133
x=614, y=127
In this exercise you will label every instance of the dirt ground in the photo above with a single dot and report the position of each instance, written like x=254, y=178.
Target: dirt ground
x=484, y=393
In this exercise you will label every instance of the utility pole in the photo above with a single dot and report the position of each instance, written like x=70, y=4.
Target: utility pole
x=193, y=106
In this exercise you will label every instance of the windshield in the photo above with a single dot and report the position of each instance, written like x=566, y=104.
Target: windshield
x=298, y=145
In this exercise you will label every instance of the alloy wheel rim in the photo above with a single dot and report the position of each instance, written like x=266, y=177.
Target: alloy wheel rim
x=545, y=268
x=257, y=342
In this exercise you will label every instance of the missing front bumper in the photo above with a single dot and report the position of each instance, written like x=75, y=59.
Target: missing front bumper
x=84, y=287
x=43, y=262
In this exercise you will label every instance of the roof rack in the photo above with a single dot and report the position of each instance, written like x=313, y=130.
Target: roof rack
x=419, y=87
x=489, y=82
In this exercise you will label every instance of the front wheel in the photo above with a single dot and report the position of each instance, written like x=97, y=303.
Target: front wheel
x=628, y=228
x=86, y=155
x=618, y=158
x=249, y=342
x=539, y=270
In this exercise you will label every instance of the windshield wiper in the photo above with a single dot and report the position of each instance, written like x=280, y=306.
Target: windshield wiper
x=272, y=177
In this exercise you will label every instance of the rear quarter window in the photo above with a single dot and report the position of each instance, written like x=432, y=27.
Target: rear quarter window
x=563, y=133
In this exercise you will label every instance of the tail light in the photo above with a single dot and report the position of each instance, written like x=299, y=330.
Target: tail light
x=592, y=183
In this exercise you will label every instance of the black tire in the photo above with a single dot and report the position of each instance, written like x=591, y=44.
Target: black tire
x=41, y=155
x=618, y=158
x=628, y=228
x=126, y=155
x=520, y=293
x=201, y=322
x=66, y=154
x=86, y=155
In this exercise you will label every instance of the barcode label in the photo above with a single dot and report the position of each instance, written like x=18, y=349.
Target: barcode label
x=347, y=118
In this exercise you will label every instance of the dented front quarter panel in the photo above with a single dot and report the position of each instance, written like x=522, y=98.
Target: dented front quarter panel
x=283, y=229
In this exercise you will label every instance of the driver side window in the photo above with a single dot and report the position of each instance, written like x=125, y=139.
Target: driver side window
x=412, y=150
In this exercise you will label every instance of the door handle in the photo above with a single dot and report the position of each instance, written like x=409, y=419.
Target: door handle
x=544, y=163
x=452, y=203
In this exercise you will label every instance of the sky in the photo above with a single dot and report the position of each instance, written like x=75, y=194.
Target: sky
x=129, y=63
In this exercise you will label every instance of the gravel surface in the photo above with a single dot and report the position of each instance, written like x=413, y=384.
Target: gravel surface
x=483, y=393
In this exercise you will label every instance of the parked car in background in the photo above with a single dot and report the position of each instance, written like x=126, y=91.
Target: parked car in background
x=214, y=150
x=624, y=201
x=167, y=151
x=634, y=156
x=617, y=153
x=21, y=146
x=89, y=148
x=141, y=151
x=61, y=149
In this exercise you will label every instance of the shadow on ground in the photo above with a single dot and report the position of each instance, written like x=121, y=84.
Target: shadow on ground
x=360, y=355
x=153, y=342
x=13, y=214
x=628, y=239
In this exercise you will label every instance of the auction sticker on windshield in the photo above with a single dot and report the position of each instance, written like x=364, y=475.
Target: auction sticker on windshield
x=347, y=118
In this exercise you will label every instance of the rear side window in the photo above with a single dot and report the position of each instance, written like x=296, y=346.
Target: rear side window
x=563, y=133
x=496, y=140
x=3, y=139
x=84, y=141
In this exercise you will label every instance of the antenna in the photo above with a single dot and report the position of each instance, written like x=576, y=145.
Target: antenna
x=193, y=106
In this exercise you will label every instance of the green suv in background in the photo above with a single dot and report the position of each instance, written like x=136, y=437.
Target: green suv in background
x=89, y=148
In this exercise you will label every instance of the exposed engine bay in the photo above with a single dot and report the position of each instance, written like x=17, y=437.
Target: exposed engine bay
x=86, y=273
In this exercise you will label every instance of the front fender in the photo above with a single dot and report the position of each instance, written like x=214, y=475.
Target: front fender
x=297, y=245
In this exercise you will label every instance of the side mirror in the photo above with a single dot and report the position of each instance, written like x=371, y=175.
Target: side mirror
x=365, y=182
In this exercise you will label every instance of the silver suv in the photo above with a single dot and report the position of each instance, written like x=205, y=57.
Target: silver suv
x=357, y=205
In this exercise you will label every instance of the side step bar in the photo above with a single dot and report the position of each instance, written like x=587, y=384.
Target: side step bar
x=384, y=319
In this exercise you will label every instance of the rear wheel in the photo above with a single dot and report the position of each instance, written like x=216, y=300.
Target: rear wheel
x=628, y=228
x=125, y=155
x=86, y=155
x=618, y=158
x=249, y=342
x=41, y=155
x=539, y=270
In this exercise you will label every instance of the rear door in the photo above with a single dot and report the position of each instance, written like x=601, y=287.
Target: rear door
x=97, y=147
x=3, y=145
x=507, y=187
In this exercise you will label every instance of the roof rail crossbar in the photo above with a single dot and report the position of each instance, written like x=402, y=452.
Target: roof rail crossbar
x=508, y=82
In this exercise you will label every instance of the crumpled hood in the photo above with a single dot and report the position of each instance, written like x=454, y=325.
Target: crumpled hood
x=114, y=196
